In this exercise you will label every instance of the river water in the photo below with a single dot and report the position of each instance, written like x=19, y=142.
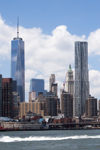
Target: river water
x=50, y=140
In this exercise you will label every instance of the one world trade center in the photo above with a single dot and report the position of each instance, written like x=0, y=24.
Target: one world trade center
x=17, y=64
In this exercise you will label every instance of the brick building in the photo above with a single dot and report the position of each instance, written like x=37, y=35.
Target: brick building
x=67, y=104
x=51, y=106
x=91, y=107
x=7, y=97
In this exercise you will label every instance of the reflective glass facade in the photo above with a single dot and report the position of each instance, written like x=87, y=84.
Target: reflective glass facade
x=18, y=66
x=81, y=77
x=37, y=85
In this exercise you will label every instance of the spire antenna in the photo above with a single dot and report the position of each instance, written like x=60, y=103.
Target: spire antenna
x=17, y=27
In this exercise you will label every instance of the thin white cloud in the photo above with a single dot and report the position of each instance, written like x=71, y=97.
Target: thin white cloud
x=94, y=42
x=94, y=76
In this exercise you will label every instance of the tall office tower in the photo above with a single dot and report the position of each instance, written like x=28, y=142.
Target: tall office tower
x=67, y=104
x=91, y=107
x=37, y=85
x=14, y=86
x=70, y=81
x=51, y=81
x=60, y=96
x=17, y=64
x=0, y=95
x=81, y=77
x=16, y=100
x=51, y=106
x=7, y=97
x=55, y=88
x=70, y=86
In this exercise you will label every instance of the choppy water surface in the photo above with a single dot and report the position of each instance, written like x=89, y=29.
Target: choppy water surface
x=50, y=140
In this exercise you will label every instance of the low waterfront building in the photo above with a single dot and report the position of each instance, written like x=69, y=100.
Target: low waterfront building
x=39, y=104
x=25, y=107
x=37, y=107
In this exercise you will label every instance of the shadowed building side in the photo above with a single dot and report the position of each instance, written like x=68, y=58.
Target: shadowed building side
x=67, y=104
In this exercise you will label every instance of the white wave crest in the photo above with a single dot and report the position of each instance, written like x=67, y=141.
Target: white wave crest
x=44, y=138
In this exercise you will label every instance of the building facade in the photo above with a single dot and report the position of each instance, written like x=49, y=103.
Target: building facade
x=70, y=81
x=37, y=85
x=67, y=104
x=37, y=107
x=7, y=97
x=39, y=104
x=51, y=81
x=70, y=85
x=55, y=88
x=16, y=100
x=81, y=77
x=91, y=107
x=18, y=65
x=32, y=96
x=51, y=106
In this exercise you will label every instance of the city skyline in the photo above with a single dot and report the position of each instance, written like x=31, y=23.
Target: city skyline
x=51, y=44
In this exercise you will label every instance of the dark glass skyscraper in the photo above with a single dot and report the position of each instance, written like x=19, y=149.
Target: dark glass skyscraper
x=81, y=77
x=17, y=65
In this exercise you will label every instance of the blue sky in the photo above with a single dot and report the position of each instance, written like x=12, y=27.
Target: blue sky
x=51, y=27
x=81, y=17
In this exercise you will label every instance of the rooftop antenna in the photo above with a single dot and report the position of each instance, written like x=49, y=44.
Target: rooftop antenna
x=17, y=27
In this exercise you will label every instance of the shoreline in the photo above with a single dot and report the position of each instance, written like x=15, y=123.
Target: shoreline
x=8, y=130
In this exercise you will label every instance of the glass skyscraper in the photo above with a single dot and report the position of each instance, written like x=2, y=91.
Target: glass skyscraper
x=81, y=77
x=18, y=66
x=37, y=85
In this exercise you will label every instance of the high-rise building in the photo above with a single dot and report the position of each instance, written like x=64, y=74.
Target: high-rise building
x=54, y=88
x=51, y=106
x=91, y=107
x=81, y=77
x=14, y=86
x=7, y=97
x=51, y=81
x=17, y=65
x=70, y=81
x=37, y=85
x=16, y=100
x=0, y=95
x=67, y=104
x=70, y=85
